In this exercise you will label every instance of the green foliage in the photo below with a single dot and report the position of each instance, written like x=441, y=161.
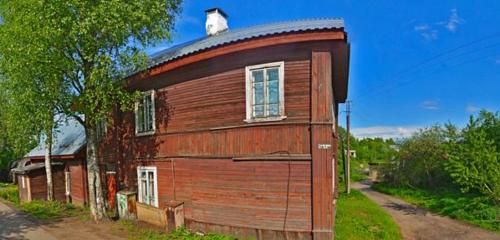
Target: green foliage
x=474, y=160
x=138, y=233
x=368, y=150
x=359, y=218
x=420, y=159
x=9, y=192
x=472, y=207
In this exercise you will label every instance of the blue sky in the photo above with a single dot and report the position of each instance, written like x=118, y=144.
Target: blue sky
x=413, y=63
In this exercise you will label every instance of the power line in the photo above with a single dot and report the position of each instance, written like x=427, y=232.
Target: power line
x=419, y=65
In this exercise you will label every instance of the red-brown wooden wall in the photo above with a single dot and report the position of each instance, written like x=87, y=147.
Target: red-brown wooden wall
x=221, y=166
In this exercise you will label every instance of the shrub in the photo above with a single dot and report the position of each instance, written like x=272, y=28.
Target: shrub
x=474, y=162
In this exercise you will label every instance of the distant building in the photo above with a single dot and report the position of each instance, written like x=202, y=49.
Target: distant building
x=68, y=167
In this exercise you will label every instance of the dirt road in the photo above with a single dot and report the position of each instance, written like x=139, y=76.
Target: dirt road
x=419, y=224
x=15, y=225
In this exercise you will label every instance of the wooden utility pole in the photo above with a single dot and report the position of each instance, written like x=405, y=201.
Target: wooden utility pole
x=348, y=165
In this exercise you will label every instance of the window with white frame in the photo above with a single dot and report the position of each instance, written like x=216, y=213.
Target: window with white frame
x=147, y=185
x=145, y=114
x=265, y=96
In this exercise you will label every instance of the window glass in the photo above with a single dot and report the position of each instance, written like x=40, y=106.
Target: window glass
x=266, y=95
x=145, y=114
x=147, y=186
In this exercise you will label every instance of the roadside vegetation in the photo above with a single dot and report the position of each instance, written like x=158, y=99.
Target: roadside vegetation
x=138, y=233
x=360, y=218
x=451, y=171
x=42, y=210
x=357, y=216
x=469, y=207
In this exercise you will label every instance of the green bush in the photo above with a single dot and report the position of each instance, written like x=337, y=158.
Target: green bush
x=474, y=160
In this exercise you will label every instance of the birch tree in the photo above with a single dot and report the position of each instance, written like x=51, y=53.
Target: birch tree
x=34, y=94
x=92, y=46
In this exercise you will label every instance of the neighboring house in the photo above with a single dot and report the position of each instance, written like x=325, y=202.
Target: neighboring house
x=69, y=167
x=240, y=126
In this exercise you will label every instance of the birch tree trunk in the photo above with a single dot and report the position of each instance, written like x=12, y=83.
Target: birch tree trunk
x=48, y=166
x=96, y=197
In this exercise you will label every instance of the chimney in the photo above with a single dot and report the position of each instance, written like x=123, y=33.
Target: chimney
x=216, y=21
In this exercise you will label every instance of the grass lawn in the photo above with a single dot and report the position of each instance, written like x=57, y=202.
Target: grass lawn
x=471, y=208
x=360, y=218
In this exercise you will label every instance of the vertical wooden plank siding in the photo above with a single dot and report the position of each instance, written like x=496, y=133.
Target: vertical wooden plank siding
x=321, y=145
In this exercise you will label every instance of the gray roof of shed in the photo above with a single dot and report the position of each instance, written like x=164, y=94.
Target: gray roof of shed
x=231, y=36
x=68, y=140
x=32, y=167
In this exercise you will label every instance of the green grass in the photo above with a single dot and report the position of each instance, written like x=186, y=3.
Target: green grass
x=9, y=193
x=137, y=233
x=360, y=218
x=44, y=210
x=471, y=208
x=52, y=210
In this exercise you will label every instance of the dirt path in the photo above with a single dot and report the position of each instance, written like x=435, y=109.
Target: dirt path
x=417, y=223
x=16, y=225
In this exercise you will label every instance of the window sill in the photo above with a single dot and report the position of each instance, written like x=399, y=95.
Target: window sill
x=268, y=119
x=140, y=134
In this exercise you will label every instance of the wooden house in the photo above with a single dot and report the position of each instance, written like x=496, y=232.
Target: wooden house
x=69, y=167
x=240, y=127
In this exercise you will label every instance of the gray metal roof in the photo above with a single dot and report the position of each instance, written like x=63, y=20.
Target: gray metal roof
x=69, y=139
x=231, y=36
x=33, y=166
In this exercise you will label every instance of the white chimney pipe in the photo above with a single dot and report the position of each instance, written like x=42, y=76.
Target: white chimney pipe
x=216, y=21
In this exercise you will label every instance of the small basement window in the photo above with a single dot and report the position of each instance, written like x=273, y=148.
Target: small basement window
x=145, y=114
x=147, y=185
x=265, y=98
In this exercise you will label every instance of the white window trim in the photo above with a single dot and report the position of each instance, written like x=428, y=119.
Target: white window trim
x=249, y=92
x=139, y=185
x=136, y=107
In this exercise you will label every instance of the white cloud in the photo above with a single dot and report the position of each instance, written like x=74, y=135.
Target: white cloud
x=472, y=108
x=384, y=132
x=421, y=27
x=430, y=105
x=453, y=21
x=426, y=31
x=430, y=32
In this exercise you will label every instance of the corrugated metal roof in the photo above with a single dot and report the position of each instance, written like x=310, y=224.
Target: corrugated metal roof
x=231, y=36
x=69, y=139
x=33, y=166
